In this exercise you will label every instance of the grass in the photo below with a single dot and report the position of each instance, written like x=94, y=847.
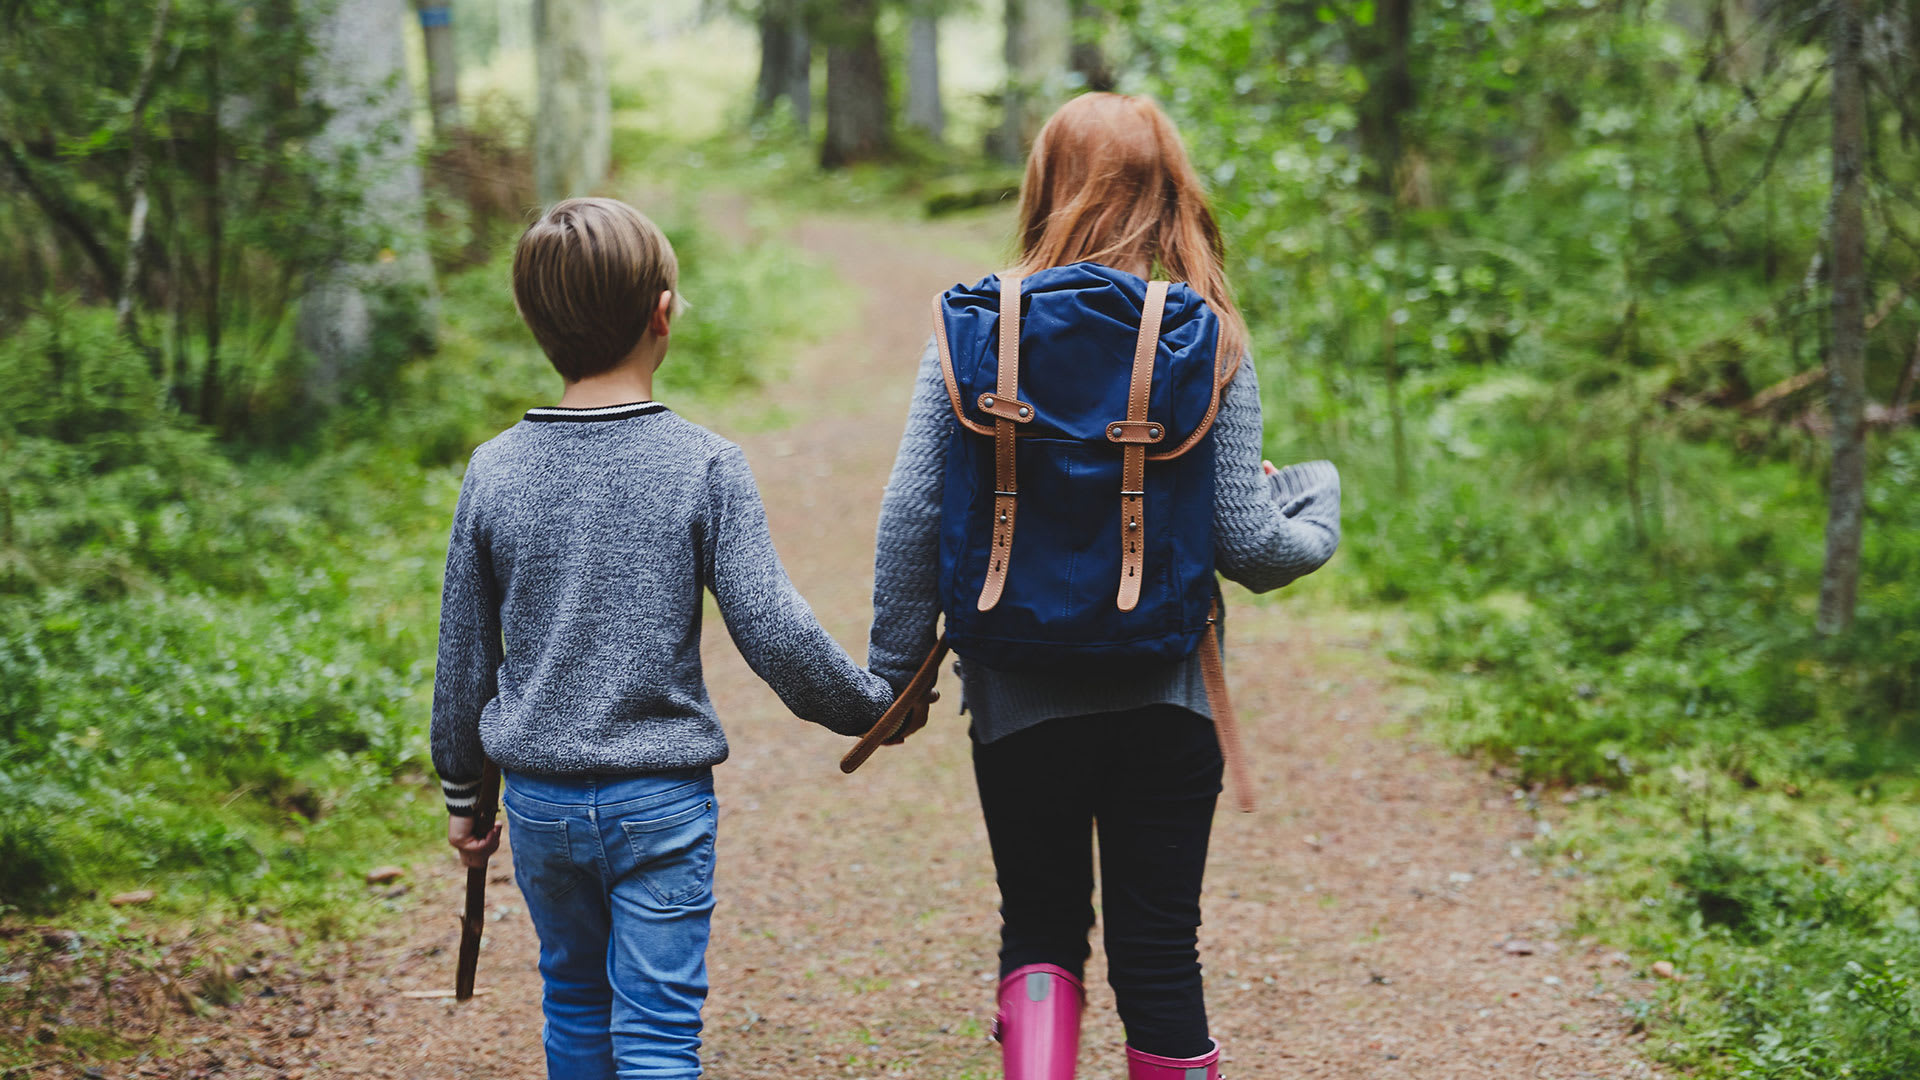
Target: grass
x=217, y=660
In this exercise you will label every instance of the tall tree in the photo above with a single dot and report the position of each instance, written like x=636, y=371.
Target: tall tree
x=573, y=125
x=1846, y=359
x=1382, y=49
x=359, y=76
x=924, y=111
x=786, y=60
x=1381, y=46
x=858, y=125
x=1039, y=36
x=443, y=71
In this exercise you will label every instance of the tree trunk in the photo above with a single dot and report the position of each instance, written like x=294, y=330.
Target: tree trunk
x=1846, y=358
x=800, y=74
x=776, y=50
x=443, y=69
x=786, y=61
x=1382, y=51
x=131, y=266
x=381, y=300
x=857, y=121
x=573, y=125
x=215, y=216
x=1038, y=42
x=924, y=111
x=1088, y=59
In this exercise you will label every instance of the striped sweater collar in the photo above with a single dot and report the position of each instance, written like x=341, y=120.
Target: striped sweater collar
x=549, y=414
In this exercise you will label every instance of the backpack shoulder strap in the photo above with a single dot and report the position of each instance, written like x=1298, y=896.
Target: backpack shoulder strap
x=1008, y=414
x=1134, y=434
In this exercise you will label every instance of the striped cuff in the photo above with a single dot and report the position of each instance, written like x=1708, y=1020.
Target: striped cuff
x=1296, y=480
x=461, y=795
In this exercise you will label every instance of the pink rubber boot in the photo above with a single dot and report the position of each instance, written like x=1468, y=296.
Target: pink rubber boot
x=1143, y=1066
x=1039, y=1022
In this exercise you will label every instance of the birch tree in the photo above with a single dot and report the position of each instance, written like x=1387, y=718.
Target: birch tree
x=573, y=123
x=359, y=75
x=443, y=70
x=924, y=111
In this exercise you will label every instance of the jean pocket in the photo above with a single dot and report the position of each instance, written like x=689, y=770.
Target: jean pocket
x=542, y=855
x=674, y=854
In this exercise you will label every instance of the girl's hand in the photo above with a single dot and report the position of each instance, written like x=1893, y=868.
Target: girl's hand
x=916, y=719
x=1267, y=467
x=474, y=850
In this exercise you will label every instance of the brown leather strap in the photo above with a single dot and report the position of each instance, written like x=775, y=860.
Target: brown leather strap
x=1133, y=455
x=1005, y=484
x=896, y=714
x=1220, y=380
x=1225, y=727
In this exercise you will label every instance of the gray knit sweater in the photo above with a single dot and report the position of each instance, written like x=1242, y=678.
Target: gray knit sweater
x=1267, y=531
x=570, y=621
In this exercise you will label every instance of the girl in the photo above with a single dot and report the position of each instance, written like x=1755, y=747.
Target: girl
x=1108, y=199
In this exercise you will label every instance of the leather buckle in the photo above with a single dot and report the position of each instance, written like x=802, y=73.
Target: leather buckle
x=1017, y=411
x=1136, y=431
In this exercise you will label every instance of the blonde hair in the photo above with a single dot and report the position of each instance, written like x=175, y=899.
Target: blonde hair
x=1108, y=180
x=586, y=279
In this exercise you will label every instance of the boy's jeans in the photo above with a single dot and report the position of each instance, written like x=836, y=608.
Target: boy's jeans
x=618, y=876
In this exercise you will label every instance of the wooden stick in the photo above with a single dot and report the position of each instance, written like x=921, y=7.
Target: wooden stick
x=485, y=806
x=896, y=714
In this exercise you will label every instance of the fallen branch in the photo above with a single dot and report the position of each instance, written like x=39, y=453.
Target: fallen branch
x=1891, y=301
x=1785, y=388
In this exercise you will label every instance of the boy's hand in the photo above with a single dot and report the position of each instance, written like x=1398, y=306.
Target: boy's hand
x=916, y=719
x=474, y=850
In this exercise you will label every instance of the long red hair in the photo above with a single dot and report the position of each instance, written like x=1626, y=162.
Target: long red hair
x=1109, y=182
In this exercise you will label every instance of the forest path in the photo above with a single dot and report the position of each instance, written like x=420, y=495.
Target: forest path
x=1355, y=923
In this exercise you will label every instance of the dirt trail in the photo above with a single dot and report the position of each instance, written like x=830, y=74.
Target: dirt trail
x=1355, y=923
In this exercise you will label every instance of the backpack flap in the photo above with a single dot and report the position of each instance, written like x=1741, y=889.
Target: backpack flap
x=1078, y=327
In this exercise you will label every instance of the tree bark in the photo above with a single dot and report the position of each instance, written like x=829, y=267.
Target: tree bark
x=1038, y=42
x=1382, y=51
x=359, y=75
x=857, y=120
x=137, y=168
x=1846, y=358
x=215, y=217
x=776, y=50
x=443, y=67
x=786, y=61
x=573, y=125
x=924, y=111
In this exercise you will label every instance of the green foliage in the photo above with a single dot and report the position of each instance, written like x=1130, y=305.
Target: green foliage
x=203, y=115
x=215, y=670
x=1523, y=339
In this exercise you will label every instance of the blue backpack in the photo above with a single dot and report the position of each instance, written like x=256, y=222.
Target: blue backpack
x=1085, y=400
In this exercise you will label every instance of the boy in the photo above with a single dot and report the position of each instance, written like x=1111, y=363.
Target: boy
x=570, y=650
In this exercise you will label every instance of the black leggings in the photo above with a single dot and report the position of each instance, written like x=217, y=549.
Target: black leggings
x=1149, y=778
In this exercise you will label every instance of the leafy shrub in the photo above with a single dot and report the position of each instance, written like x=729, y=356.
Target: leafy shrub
x=216, y=660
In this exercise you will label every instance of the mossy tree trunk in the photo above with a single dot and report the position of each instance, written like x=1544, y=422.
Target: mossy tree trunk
x=1846, y=357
